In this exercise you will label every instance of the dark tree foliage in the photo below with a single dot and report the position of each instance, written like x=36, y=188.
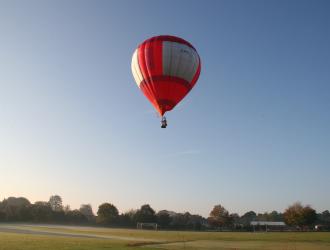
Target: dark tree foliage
x=41, y=212
x=219, y=217
x=16, y=209
x=76, y=217
x=246, y=219
x=107, y=214
x=127, y=219
x=186, y=221
x=195, y=222
x=323, y=221
x=324, y=218
x=86, y=209
x=145, y=214
x=55, y=202
x=273, y=216
x=2, y=216
x=299, y=215
x=58, y=216
x=20, y=209
x=179, y=221
x=163, y=219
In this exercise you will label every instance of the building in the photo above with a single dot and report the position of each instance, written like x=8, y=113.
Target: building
x=268, y=225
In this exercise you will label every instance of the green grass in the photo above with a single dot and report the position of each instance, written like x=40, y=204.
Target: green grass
x=11, y=241
x=136, y=239
x=183, y=235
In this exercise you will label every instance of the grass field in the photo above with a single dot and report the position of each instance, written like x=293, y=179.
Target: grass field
x=49, y=237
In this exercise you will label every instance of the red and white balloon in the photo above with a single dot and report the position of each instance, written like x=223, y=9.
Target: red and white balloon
x=165, y=68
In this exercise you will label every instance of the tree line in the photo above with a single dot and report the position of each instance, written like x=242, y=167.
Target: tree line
x=296, y=216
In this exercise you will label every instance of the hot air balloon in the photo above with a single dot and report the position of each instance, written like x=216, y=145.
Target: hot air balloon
x=165, y=69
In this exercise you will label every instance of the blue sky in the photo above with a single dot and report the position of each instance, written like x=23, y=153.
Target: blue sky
x=252, y=135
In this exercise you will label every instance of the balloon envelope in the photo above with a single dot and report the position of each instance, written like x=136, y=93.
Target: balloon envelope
x=165, y=68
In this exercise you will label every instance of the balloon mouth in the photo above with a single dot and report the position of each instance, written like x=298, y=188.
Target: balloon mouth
x=163, y=106
x=161, y=112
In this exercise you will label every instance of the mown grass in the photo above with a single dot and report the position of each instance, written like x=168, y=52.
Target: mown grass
x=192, y=236
x=175, y=240
x=13, y=241
x=245, y=245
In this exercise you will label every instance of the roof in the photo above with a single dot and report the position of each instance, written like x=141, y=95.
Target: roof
x=267, y=223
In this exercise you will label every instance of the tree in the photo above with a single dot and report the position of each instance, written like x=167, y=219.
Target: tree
x=86, y=209
x=309, y=215
x=41, y=211
x=2, y=216
x=298, y=215
x=247, y=218
x=127, y=219
x=55, y=202
x=107, y=214
x=235, y=221
x=163, y=219
x=194, y=221
x=66, y=209
x=76, y=217
x=16, y=209
x=145, y=214
x=275, y=216
x=324, y=218
x=179, y=221
x=219, y=217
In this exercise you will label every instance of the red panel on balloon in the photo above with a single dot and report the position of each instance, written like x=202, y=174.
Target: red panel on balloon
x=165, y=92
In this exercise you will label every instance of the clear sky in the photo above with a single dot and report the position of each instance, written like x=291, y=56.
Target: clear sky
x=254, y=133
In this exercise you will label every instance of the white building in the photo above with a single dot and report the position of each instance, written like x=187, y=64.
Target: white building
x=268, y=225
